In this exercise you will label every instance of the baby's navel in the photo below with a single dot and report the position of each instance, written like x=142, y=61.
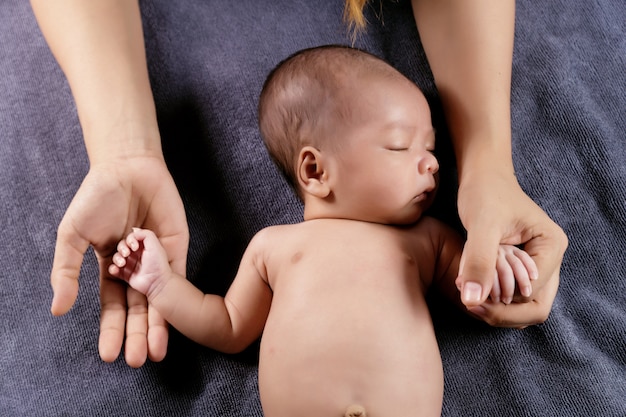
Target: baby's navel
x=355, y=410
x=296, y=257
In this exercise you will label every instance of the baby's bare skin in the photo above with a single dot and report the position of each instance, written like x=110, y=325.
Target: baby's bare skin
x=349, y=322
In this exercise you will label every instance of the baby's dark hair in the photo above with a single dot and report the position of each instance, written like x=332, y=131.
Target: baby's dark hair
x=303, y=92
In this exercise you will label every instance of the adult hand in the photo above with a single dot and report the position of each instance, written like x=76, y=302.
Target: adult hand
x=114, y=197
x=495, y=210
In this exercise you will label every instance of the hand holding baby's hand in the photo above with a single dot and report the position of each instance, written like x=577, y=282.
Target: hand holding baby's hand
x=515, y=266
x=141, y=261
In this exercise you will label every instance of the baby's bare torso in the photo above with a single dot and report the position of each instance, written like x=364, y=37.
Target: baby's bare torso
x=349, y=323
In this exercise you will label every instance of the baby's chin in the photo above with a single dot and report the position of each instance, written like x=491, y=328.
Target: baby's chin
x=406, y=218
x=415, y=211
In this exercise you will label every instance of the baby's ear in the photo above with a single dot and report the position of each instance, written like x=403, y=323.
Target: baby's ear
x=312, y=174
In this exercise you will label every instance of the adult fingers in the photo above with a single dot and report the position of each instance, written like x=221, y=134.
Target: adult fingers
x=158, y=334
x=112, y=316
x=136, y=346
x=547, y=250
x=69, y=251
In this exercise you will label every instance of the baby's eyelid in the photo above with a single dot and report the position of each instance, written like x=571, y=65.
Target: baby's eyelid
x=397, y=147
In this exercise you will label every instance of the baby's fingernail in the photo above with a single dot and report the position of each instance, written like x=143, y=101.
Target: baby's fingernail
x=472, y=292
x=507, y=300
x=526, y=291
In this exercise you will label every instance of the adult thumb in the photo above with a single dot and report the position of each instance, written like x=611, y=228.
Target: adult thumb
x=477, y=268
x=68, y=257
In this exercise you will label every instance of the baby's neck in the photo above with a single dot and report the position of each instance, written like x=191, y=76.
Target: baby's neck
x=313, y=211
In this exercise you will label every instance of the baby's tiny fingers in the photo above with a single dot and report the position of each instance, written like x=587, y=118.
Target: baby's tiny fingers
x=528, y=262
x=521, y=274
x=119, y=260
x=132, y=242
x=496, y=291
x=506, y=276
x=123, y=249
x=114, y=270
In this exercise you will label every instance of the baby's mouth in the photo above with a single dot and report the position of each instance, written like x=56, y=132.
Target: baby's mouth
x=421, y=197
x=425, y=195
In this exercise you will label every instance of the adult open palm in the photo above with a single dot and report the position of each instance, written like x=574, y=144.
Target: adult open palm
x=113, y=198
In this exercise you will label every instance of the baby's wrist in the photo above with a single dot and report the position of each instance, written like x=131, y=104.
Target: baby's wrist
x=155, y=288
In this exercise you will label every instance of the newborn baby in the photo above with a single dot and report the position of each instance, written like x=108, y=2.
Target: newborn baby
x=339, y=298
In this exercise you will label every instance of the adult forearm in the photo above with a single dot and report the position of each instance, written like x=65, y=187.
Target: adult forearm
x=99, y=46
x=469, y=45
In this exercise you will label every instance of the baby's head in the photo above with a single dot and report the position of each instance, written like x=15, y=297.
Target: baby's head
x=305, y=95
x=339, y=122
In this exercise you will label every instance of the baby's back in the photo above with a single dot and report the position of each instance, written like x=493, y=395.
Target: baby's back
x=348, y=322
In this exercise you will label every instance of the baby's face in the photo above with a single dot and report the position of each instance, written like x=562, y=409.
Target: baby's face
x=386, y=169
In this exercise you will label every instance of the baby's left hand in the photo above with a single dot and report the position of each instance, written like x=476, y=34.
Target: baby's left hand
x=513, y=265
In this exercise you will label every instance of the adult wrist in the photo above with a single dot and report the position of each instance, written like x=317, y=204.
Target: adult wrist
x=484, y=154
x=133, y=140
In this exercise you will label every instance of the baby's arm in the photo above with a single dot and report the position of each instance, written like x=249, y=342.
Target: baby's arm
x=228, y=324
x=513, y=266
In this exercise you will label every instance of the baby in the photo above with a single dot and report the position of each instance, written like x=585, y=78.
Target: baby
x=339, y=298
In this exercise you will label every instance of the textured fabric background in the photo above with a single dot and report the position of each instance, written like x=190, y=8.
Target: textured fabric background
x=207, y=62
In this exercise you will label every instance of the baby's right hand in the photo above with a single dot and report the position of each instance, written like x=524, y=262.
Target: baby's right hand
x=513, y=265
x=141, y=261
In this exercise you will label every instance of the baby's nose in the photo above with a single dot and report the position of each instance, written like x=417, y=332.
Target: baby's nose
x=428, y=164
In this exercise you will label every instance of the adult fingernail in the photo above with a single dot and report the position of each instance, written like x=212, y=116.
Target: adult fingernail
x=472, y=292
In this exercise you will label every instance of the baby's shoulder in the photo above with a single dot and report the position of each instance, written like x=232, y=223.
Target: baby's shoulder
x=272, y=245
x=274, y=235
